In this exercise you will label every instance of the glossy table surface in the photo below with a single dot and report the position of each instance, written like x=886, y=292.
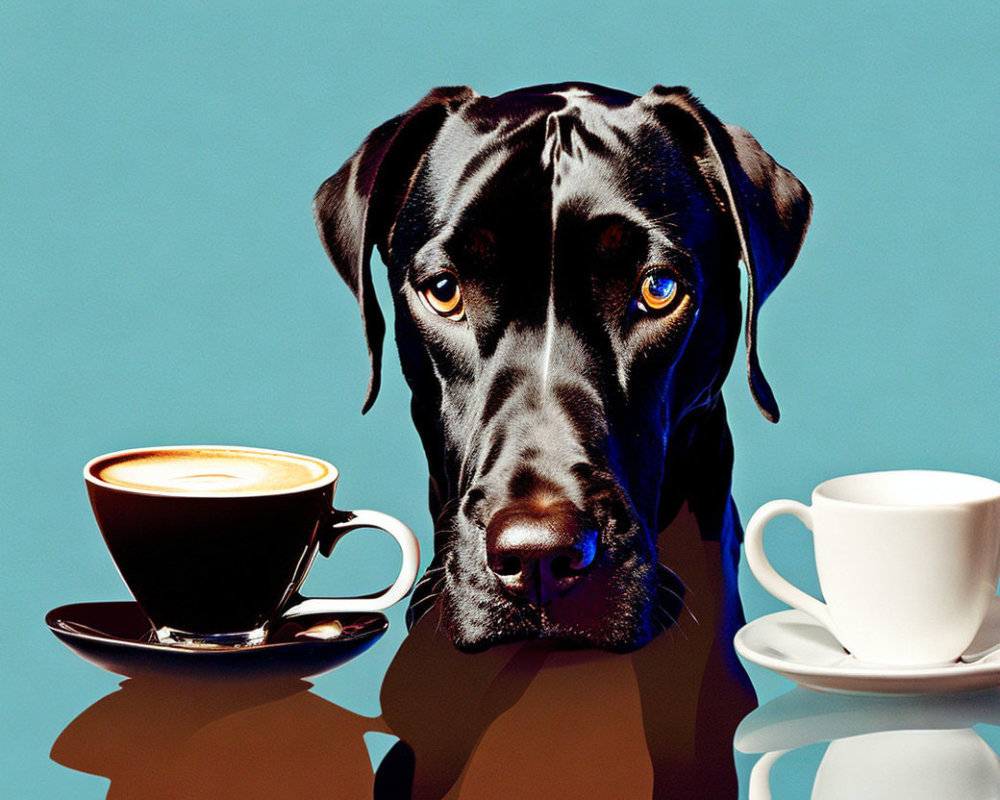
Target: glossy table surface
x=172, y=735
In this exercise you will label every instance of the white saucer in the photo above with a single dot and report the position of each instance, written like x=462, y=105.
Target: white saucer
x=798, y=647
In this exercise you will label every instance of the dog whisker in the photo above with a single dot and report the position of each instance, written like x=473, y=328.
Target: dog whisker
x=434, y=581
x=447, y=509
x=667, y=590
x=425, y=587
x=671, y=591
x=428, y=599
x=662, y=613
x=666, y=622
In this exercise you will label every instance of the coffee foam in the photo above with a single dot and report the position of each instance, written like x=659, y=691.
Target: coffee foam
x=206, y=471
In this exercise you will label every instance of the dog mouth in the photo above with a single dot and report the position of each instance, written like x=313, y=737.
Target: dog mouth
x=618, y=603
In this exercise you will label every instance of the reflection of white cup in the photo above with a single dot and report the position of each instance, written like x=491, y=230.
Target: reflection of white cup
x=908, y=561
x=879, y=746
x=908, y=764
x=911, y=764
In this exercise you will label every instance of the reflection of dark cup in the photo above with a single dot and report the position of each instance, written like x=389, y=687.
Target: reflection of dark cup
x=194, y=739
x=214, y=542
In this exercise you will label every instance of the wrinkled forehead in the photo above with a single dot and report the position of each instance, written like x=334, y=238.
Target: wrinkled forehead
x=571, y=150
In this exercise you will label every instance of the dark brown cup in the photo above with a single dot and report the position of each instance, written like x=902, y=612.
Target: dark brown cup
x=211, y=565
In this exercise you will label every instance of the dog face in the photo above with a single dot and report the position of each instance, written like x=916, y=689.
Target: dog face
x=563, y=262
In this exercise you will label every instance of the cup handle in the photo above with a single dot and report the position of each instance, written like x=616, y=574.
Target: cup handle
x=768, y=575
x=759, y=785
x=343, y=522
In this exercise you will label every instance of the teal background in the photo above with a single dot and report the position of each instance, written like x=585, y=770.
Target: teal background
x=162, y=281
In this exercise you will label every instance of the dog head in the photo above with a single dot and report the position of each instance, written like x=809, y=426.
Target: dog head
x=564, y=268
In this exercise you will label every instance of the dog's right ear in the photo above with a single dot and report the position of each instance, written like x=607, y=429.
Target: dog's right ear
x=355, y=208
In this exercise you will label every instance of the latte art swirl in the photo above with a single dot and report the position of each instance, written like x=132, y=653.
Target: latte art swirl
x=214, y=471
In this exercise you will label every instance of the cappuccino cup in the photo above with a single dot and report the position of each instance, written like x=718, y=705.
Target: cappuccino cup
x=214, y=542
x=908, y=562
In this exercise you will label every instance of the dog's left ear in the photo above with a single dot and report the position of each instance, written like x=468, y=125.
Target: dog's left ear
x=356, y=207
x=769, y=206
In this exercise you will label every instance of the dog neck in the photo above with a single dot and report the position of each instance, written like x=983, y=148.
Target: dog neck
x=698, y=470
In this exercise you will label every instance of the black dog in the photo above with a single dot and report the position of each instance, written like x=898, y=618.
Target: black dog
x=564, y=267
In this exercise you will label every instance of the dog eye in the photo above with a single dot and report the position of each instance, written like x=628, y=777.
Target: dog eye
x=657, y=293
x=443, y=294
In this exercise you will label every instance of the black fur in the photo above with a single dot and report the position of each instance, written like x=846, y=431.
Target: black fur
x=561, y=402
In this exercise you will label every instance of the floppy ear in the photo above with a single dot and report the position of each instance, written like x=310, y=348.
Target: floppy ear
x=356, y=208
x=769, y=207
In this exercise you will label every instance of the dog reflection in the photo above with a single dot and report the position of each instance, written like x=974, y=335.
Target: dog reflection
x=163, y=738
x=534, y=719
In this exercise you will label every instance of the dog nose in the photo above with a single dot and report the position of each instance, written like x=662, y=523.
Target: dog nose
x=539, y=552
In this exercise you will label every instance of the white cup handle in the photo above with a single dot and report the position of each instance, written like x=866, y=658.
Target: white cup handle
x=768, y=575
x=759, y=785
x=343, y=522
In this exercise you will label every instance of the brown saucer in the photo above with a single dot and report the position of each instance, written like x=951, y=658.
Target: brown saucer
x=117, y=636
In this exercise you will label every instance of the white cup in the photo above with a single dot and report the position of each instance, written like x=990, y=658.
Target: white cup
x=908, y=562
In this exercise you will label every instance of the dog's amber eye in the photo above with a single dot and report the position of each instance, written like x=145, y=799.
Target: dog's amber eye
x=443, y=294
x=657, y=292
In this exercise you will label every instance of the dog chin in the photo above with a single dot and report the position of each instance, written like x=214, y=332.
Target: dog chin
x=627, y=621
x=479, y=641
